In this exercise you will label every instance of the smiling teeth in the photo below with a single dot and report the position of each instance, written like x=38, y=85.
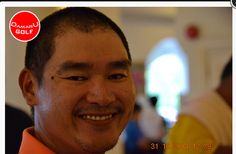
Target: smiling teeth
x=97, y=118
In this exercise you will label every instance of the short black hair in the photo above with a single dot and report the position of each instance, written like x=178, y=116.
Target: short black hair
x=153, y=100
x=137, y=108
x=41, y=49
x=227, y=71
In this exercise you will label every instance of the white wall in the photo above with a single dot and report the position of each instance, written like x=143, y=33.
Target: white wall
x=215, y=26
x=145, y=29
x=207, y=54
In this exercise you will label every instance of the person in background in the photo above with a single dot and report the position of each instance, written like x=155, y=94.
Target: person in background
x=77, y=78
x=134, y=141
x=204, y=125
x=16, y=121
x=151, y=124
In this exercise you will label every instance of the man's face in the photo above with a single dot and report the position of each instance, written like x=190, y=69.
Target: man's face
x=87, y=94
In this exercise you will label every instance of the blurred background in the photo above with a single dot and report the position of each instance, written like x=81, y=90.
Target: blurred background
x=178, y=52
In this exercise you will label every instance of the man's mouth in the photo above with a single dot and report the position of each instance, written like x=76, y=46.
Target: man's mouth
x=97, y=117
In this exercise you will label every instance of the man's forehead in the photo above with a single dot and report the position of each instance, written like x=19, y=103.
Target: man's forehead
x=81, y=38
x=89, y=49
x=98, y=41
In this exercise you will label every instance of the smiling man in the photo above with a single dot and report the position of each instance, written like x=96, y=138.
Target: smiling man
x=77, y=78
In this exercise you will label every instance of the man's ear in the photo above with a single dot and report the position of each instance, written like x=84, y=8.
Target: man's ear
x=29, y=86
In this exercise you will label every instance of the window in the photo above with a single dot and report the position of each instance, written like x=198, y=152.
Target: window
x=166, y=77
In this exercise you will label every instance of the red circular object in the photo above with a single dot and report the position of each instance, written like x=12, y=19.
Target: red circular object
x=24, y=26
x=192, y=32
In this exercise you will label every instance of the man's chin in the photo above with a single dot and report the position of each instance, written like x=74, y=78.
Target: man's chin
x=98, y=147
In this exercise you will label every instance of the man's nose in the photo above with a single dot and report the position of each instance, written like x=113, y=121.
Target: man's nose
x=99, y=92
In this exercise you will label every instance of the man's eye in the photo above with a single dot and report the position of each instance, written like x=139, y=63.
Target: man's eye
x=76, y=78
x=117, y=76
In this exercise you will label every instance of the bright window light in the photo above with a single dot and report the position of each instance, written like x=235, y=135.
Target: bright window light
x=166, y=77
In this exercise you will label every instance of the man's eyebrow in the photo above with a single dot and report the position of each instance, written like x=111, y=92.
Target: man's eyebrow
x=70, y=66
x=120, y=64
x=75, y=66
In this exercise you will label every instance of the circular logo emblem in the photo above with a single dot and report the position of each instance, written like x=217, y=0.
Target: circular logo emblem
x=24, y=26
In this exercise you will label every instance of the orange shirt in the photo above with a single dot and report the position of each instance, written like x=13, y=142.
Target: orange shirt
x=31, y=145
